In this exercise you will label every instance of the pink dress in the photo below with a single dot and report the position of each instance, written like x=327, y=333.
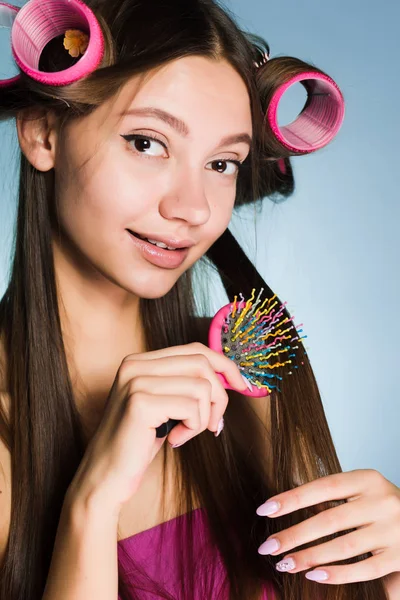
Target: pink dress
x=162, y=567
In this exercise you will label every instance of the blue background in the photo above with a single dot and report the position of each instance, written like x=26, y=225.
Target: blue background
x=332, y=249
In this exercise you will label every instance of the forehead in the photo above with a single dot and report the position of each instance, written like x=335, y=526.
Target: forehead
x=195, y=88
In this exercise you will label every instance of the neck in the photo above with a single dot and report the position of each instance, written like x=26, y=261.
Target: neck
x=101, y=325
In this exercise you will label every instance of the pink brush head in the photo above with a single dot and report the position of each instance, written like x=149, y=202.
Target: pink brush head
x=40, y=21
x=254, y=339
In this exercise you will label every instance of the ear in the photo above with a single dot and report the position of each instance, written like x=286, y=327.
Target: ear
x=37, y=135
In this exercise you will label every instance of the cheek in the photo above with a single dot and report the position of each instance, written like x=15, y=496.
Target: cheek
x=220, y=190
x=221, y=201
x=102, y=201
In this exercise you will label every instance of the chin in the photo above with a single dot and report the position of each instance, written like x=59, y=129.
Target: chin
x=152, y=288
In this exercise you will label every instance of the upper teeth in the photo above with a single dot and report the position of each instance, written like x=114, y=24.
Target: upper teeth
x=159, y=244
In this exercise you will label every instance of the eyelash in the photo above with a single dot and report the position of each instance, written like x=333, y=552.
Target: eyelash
x=140, y=136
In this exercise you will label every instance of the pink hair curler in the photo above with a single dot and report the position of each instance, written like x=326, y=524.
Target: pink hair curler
x=40, y=21
x=251, y=337
x=319, y=121
x=7, y=18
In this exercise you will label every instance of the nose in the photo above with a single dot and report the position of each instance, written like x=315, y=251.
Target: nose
x=186, y=199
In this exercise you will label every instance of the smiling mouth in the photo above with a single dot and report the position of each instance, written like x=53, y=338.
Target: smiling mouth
x=154, y=242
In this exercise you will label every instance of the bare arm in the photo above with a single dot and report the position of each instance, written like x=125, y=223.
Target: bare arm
x=84, y=561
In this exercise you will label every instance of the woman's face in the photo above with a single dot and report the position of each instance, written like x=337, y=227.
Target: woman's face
x=181, y=185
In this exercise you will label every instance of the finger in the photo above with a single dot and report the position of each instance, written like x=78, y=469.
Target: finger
x=339, y=486
x=365, y=570
x=168, y=367
x=154, y=410
x=219, y=362
x=330, y=521
x=351, y=545
x=190, y=387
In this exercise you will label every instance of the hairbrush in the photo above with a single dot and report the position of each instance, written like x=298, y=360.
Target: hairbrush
x=252, y=337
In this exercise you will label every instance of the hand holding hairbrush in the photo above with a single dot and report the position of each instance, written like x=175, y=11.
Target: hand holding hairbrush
x=256, y=339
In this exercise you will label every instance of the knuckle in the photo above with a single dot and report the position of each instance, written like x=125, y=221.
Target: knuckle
x=205, y=387
x=334, y=484
x=135, y=403
x=198, y=346
x=127, y=369
x=290, y=540
x=349, y=546
x=202, y=372
x=296, y=497
x=201, y=363
x=376, y=478
x=225, y=400
x=331, y=518
x=308, y=560
x=392, y=504
x=134, y=385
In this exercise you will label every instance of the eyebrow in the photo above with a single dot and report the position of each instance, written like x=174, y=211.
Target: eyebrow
x=181, y=127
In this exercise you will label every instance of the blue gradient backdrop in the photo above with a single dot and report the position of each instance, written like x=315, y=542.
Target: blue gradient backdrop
x=332, y=249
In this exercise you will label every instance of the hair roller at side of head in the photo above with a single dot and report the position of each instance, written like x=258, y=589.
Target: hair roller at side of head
x=318, y=122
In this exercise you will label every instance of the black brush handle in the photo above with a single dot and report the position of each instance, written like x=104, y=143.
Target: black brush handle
x=165, y=428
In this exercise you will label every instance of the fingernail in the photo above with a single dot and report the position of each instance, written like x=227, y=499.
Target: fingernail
x=268, y=508
x=220, y=427
x=269, y=546
x=247, y=382
x=317, y=575
x=177, y=445
x=287, y=564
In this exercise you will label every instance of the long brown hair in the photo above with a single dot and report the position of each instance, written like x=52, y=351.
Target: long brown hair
x=44, y=433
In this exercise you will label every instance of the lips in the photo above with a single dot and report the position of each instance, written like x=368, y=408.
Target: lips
x=140, y=237
x=173, y=242
x=169, y=259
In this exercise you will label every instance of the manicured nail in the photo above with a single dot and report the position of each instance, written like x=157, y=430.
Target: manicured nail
x=269, y=546
x=177, y=445
x=287, y=564
x=220, y=427
x=247, y=382
x=268, y=508
x=317, y=575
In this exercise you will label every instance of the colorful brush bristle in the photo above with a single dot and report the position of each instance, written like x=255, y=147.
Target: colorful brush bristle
x=259, y=340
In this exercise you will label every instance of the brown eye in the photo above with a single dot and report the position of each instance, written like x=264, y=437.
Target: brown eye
x=141, y=144
x=220, y=166
x=226, y=167
x=146, y=145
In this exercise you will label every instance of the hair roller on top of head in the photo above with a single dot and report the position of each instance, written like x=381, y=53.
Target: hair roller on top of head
x=40, y=21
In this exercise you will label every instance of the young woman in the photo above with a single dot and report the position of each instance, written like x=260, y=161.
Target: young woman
x=100, y=342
